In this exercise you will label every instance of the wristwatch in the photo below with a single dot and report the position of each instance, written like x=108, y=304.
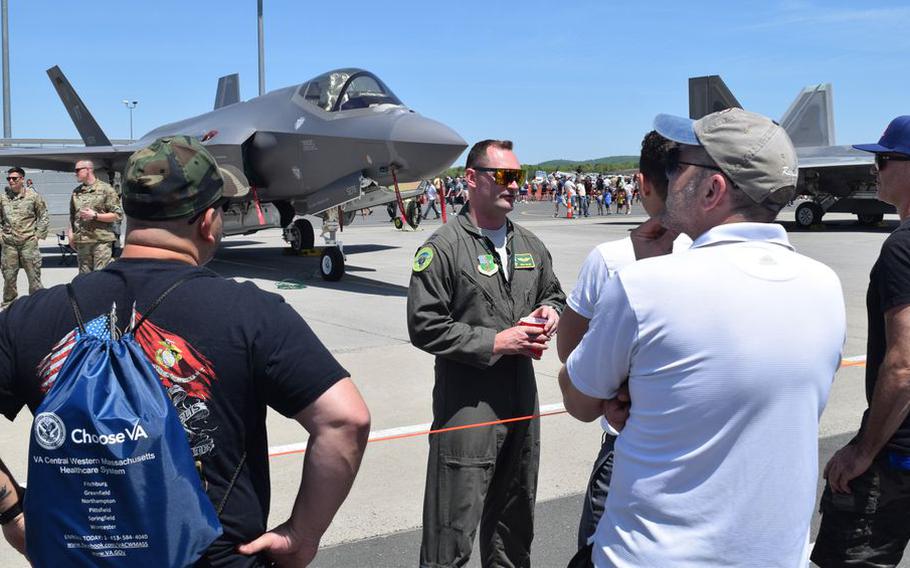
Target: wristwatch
x=8, y=515
x=95, y=213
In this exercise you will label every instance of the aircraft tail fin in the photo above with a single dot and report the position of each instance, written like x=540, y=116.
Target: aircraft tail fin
x=85, y=123
x=228, y=91
x=709, y=94
x=810, y=119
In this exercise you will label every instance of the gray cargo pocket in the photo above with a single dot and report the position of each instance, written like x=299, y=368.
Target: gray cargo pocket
x=463, y=486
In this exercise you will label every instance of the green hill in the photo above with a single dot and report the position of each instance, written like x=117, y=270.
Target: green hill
x=607, y=163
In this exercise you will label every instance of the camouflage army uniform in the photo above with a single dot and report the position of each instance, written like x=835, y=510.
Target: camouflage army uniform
x=93, y=239
x=24, y=220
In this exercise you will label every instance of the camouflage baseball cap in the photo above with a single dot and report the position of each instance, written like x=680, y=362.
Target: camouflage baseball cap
x=175, y=177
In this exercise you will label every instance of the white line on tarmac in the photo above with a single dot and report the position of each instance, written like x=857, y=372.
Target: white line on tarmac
x=390, y=432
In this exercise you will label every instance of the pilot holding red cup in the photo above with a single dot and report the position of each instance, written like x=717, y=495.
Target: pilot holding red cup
x=484, y=300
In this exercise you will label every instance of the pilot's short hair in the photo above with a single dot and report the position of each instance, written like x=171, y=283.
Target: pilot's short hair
x=653, y=161
x=478, y=154
x=16, y=170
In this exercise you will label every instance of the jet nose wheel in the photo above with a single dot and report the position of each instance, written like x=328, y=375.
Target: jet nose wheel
x=413, y=214
x=331, y=264
x=808, y=214
x=300, y=235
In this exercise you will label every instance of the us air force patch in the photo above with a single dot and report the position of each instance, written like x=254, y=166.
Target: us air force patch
x=486, y=265
x=422, y=259
x=524, y=260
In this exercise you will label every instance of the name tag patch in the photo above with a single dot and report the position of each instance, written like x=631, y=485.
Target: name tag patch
x=486, y=265
x=524, y=261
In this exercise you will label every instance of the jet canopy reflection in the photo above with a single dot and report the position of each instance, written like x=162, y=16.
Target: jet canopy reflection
x=347, y=89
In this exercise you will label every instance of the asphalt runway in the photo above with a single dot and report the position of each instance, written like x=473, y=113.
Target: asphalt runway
x=362, y=321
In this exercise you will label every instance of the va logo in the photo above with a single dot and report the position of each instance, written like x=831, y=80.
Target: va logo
x=423, y=259
x=50, y=433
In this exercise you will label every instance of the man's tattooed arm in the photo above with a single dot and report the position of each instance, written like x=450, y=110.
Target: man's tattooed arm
x=9, y=489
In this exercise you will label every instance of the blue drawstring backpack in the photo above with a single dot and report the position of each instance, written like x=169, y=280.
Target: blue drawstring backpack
x=111, y=479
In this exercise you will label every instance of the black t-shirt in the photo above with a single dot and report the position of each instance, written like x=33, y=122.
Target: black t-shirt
x=224, y=351
x=889, y=287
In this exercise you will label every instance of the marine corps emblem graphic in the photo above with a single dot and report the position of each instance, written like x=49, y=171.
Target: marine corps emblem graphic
x=168, y=355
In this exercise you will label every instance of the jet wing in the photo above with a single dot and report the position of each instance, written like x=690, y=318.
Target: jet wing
x=63, y=159
x=832, y=157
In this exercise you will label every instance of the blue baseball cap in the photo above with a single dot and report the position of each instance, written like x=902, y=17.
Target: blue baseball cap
x=896, y=138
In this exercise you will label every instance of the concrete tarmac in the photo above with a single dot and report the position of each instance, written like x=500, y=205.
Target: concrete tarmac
x=362, y=321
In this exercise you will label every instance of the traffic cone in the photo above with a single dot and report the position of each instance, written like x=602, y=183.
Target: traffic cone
x=569, y=208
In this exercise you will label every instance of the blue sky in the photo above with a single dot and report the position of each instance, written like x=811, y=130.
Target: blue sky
x=568, y=79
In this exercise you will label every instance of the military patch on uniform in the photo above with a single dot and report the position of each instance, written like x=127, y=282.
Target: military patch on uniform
x=524, y=260
x=486, y=265
x=422, y=259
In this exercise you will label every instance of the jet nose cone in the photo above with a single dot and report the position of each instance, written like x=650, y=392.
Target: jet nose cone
x=424, y=147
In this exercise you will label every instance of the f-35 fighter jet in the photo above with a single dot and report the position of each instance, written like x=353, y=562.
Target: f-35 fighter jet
x=328, y=147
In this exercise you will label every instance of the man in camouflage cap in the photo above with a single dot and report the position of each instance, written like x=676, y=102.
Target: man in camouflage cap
x=236, y=350
x=24, y=221
x=94, y=208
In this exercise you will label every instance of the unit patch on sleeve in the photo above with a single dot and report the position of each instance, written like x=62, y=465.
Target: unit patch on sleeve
x=423, y=258
x=524, y=260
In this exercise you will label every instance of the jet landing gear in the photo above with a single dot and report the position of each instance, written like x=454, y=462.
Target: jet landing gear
x=412, y=214
x=299, y=234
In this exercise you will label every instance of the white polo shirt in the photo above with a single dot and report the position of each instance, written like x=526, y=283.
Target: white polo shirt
x=601, y=264
x=730, y=349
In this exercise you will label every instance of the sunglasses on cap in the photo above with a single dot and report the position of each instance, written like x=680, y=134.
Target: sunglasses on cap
x=881, y=160
x=221, y=203
x=673, y=163
x=504, y=176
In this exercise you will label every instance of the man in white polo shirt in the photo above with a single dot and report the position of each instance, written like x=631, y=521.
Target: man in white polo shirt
x=730, y=349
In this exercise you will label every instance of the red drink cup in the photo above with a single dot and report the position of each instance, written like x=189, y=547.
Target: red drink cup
x=539, y=323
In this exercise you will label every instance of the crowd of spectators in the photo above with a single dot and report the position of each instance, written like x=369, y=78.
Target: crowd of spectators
x=584, y=193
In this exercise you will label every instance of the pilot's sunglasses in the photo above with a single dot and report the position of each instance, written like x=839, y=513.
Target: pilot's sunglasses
x=881, y=160
x=673, y=163
x=13, y=178
x=504, y=176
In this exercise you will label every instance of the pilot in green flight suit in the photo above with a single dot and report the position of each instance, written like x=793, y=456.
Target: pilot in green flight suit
x=469, y=287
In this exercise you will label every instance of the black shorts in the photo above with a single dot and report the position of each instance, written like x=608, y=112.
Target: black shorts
x=869, y=527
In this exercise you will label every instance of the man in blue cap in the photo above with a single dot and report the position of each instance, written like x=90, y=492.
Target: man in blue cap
x=866, y=504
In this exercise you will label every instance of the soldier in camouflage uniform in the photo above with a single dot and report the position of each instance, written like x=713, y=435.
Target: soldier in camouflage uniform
x=24, y=220
x=94, y=208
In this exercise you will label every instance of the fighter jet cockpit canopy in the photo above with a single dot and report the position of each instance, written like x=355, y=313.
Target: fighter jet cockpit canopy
x=347, y=89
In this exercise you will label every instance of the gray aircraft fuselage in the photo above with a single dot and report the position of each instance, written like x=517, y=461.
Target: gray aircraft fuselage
x=304, y=146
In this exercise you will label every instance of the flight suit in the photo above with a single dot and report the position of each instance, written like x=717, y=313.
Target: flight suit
x=458, y=300
x=23, y=220
x=92, y=239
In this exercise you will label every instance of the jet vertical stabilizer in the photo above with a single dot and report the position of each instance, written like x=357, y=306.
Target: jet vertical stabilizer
x=709, y=94
x=810, y=119
x=228, y=91
x=85, y=123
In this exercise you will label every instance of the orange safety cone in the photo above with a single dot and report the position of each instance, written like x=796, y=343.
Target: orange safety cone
x=569, y=208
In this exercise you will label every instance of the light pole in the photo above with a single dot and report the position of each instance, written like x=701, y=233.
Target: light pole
x=131, y=105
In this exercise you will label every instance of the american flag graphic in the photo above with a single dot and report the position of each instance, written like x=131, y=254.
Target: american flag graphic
x=51, y=364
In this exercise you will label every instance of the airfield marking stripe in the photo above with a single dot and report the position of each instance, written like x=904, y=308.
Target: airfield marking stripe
x=415, y=430
x=422, y=430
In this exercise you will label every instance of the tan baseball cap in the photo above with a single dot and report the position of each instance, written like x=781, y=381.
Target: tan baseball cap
x=752, y=150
